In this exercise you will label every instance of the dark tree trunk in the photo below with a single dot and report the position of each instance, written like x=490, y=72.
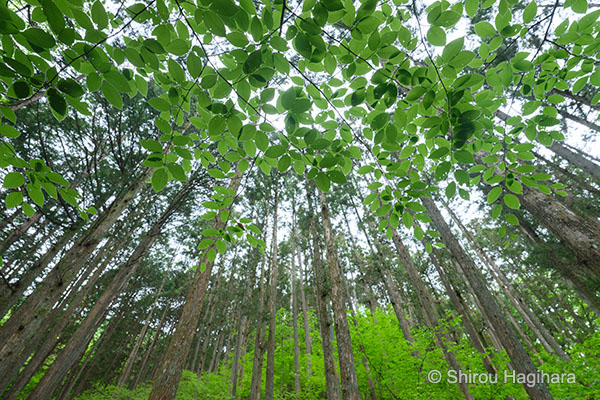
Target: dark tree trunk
x=25, y=322
x=272, y=307
x=77, y=345
x=322, y=291
x=167, y=376
x=340, y=317
x=491, y=311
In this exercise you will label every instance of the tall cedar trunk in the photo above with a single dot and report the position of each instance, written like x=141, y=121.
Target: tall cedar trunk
x=206, y=330
x=124, y=376
x=143, y=366
x=242, y=331
x=462, y=310
x=361, y=268
x=587, y=294
x=545, y=338
x=332, y=384
x=294, y=300
x=205, y=322
x=235, y=364
x=342, y=330
x=365, y=361
x=174, y=358
x=519, y=358
x=78, y=343
x=576, y=159
x=429, y=310
x=270, y=375
x=581, y=235
x=304, y=305
x=216, y=350
x=52, y=339
x=25, y=322
x=259, y=339
x=14, y=267
x=11, y=295
x=104, y=341
x=218, y=347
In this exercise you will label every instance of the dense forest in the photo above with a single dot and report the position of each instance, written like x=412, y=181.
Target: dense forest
x=283, y=199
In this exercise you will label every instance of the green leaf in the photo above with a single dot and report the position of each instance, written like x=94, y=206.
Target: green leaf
x=579, y=6
x=13, y=199
x=436, y=36
x=216, y=173
x=288, y=98
x=451, y=190
x=464, y=157
x=471, y=7
x=55, y=17
x=57, y=102
x=39, y=39
x=452, y=49
x=494, y=194
x=194, y=65
x=253, y=62
x=13, y=180
x=407, y=219
x=27, y=209
x=530, y=12
x=178, y=47
x=99, y=15
x=9, y=131
x=70, y=87
x=511, y=201
x=337, y=177
x=333, y=5
x=35, y=194
x=159, y=179
x=177, y=171
x=21, y=89
x=323, y=182
x=112, y=95
x=275, y=151
x=512, y=219
x=160, y=104
x=484, y=29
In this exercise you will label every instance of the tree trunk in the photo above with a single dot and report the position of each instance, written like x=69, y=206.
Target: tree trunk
x=24, y=323
x=462, y=310
x=545, y=338
x=492, y=312
x=332, y=383
x=259, y=339
x=576, y=159
x=242, y=330
x=270, y=375
x=365, y=361
x=304, y=305
x=10, y=295
x=124, y=376
x=342, y=330
x=429, y=309
x=143, y=366
x=388, y=280
x=581, y=235
x=77, y=345
x=167, y=376
x=52, y=339
x=294, y=296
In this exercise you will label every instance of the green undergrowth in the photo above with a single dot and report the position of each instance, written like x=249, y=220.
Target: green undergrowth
x=399, y=370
